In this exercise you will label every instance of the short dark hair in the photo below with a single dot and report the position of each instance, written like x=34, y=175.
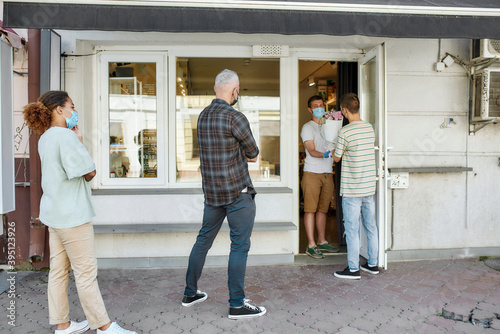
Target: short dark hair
x=313, y=98
x=351, y=102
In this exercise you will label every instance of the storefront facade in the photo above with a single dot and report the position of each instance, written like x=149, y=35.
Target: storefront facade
x=139, y=93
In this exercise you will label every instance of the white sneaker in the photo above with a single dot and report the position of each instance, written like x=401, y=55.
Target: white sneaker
x=75, y=328
x=115, y=329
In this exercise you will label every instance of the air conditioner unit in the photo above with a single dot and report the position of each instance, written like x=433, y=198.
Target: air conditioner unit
x=485, y=48
x=486, y=95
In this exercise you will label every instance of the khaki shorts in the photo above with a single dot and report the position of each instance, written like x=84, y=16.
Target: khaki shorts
x=318, y=191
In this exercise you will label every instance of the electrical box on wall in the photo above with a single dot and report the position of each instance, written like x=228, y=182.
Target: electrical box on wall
x=486, y=94
x=399, y=181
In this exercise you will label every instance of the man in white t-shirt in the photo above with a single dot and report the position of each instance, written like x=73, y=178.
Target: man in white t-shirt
x=317, y=181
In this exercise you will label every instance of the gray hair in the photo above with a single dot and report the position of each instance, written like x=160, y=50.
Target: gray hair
x=225, y=77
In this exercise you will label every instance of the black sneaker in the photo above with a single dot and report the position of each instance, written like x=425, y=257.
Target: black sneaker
x=347, y=273
x=246, y=311
x=371, y=269
x=198, y=298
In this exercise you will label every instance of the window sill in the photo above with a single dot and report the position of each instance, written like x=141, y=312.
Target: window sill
x=179, y=191
x=182, y=228
x=430, y=169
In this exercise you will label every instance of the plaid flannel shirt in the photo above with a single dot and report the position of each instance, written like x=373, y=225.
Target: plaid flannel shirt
x=225, y=141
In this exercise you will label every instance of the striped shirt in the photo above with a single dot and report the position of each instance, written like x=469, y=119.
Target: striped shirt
x=355, y=146
x=225, y=141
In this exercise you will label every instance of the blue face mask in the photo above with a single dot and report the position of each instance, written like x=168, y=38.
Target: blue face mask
x=318, y=112
x=72, y=121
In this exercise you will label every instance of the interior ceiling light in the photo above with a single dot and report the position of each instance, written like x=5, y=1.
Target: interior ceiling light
x=311, y=82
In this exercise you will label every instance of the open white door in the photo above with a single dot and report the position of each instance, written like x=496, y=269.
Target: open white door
x=372, y=96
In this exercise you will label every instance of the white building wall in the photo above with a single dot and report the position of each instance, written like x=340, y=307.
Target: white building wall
x=81, y=83
x=186, y=209
x=439, y=210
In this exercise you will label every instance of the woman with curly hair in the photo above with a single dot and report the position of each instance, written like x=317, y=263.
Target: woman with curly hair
x=66, y=208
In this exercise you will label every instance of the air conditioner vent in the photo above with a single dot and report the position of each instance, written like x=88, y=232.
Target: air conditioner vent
x=270, y=51
x=494, y=46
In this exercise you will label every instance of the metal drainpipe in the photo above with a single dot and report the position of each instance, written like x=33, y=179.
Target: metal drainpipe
x=37, y=229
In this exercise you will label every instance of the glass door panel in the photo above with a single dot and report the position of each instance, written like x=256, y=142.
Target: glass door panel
x=373, y=110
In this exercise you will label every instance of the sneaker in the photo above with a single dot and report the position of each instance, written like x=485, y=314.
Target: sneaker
x=314, y=253
x=347, y=273
x=371, y=269
x=115, y=329
x=246, y=311
x=198, y=298
x=327, y=248
x=75, y=328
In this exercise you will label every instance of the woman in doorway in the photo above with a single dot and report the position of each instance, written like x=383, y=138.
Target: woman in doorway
x=66, y=208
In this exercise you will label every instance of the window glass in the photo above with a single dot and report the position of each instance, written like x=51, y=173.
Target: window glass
x=259, y=100
x=132, y=120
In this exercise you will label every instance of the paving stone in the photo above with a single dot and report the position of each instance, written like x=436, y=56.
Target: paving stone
x=148, y=324
x=495, y=324
x=302, y=320
x=388, y=311
x=468, y=328
x=388, y=329
x=410, y=320
x=401, y=304
x=434, y=303
x=326, y=326
x=351, y=330
x=207, y=329
x=493, y=299
x=482, y=318
x=365, y=324
x=458, y=312
x=440, y=322
x=428, y=329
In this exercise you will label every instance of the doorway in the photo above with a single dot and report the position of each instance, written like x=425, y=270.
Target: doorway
x=329, y=79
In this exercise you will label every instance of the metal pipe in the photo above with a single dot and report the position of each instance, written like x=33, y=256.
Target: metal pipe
x=37, y=229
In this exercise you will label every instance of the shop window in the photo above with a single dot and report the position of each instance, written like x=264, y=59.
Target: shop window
x=130, y=120
x=133, y=144
x=259, y=101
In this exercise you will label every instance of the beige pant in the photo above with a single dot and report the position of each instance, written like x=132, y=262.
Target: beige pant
x=73, y=248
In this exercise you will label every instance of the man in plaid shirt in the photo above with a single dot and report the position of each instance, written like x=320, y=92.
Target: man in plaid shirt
x=226, y=144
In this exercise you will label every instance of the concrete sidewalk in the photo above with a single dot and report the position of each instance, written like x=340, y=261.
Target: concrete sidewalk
x=408, y=298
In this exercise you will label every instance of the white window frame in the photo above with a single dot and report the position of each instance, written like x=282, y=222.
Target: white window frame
x=101, y=117
x=225, y=51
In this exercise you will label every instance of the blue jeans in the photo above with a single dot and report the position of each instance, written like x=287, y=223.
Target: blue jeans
x=355, y=209
x=240, y=216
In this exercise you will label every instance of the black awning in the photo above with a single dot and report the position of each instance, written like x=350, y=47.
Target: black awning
x=248, y=21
